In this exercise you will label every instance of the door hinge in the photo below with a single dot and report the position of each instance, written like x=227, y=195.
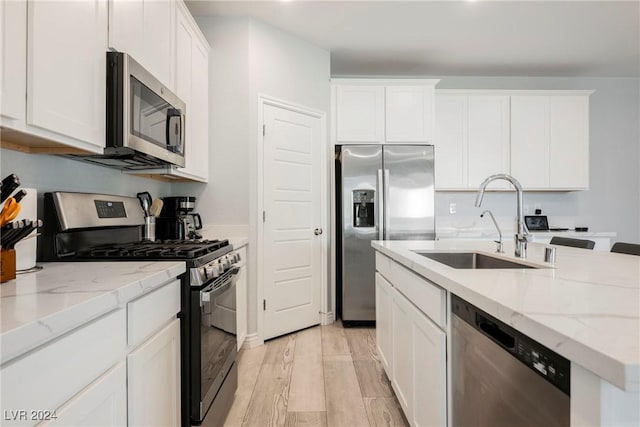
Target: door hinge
x=264, y=305
x=264, y=130
x=264, y=216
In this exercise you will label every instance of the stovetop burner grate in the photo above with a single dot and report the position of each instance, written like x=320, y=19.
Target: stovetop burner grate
x=167, y=249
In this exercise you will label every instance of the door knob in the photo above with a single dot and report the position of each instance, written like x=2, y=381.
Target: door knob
x=317, y=231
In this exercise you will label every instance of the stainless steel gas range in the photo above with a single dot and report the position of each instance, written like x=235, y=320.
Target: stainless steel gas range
x=93, y=227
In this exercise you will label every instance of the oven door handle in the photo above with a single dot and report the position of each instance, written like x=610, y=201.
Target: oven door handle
x=206, y=296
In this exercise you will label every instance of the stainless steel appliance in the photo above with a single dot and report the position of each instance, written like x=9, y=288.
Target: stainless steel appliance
x=93, y=227
x=502, y=377
x=145, y=120
x=383, y=193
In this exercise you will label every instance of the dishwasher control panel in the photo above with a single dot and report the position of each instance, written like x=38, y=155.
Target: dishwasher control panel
x=545, y=362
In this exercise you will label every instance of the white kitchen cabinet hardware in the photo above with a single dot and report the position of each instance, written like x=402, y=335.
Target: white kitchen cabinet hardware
x=153, y=374
x=380, y=111
x=145, y=30
x=101, y=403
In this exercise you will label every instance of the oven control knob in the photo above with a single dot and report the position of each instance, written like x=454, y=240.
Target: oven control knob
x=209, y=272
x=220, y=267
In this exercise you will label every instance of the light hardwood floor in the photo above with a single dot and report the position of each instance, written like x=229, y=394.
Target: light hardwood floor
x=322, y=376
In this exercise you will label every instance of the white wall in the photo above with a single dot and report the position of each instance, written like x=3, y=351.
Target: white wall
x=248, y=59
x=613, y=201
x=55, y=173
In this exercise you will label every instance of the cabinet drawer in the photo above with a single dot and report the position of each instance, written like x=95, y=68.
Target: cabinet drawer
x=429, y=298
x=382, y=264
x=151, y=312
x=46, y=378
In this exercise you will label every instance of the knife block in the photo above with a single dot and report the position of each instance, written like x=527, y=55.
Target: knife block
x=7, y=265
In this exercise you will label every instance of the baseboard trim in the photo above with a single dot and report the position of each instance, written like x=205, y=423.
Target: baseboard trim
x=252, y=340
x=327, y=318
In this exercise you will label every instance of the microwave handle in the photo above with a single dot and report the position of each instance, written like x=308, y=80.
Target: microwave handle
x=174, y=130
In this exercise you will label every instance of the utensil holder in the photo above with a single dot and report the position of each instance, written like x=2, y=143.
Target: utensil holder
x=7, y=265
x=149, y=228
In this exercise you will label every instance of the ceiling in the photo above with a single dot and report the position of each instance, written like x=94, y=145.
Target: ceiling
x=464, y=38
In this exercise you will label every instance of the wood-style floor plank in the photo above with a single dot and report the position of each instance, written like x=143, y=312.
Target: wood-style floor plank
x=361, y=343
x=306, y=419
x=334, y=341
x=306, y=393
x=345, y=406
x=372, y=379
x=269, y=401
x=249, y=364
x=384, y=411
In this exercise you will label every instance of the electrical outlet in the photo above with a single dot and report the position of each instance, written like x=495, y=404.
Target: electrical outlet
x=452, y=208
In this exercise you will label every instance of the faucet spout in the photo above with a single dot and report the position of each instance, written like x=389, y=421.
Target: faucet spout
x=521, y=235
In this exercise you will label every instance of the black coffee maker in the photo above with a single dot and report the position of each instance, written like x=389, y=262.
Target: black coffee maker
x=177, y=221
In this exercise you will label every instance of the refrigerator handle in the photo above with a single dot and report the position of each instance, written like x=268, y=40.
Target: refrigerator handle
x=386, y=216
x=380, y=206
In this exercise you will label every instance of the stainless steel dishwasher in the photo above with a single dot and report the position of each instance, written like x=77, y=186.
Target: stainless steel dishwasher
x=502, y=377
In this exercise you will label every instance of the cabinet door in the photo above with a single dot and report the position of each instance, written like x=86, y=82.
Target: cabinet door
x=569, y=142
x=154, y=379
x=126, y=32
x=383, y=323
x=409, y=113
x=67, y=69
x=13, y=68
x=159, y=32
x=402, y=359
x=488, y=139
x=241, y=299
x=360, y=113
x=530, y=140
x=451, y=142
x=101, y=403
x=197, y=151
x=430, y=377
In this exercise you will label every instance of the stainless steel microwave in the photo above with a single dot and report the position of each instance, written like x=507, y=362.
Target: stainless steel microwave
x=145, y=123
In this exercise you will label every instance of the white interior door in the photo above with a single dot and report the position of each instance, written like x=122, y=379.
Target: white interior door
x=292, y=216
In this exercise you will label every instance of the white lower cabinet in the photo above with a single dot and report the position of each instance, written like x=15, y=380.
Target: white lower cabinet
x=415, y=348
x=153, y=372
x=102, y=403
x=383, y=323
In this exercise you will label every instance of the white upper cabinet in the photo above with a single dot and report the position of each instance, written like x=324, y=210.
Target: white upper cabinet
x=550, y=140
x=409, y=113
x=145, y=29
x=360, y=114
x=539, y=137
x=472, y=140
x=488, y=139
x=13, y=68
x=66, y=63
x=378, y=111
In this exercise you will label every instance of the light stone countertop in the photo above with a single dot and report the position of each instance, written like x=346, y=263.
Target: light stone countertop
x=587, y=308
x=37, y=307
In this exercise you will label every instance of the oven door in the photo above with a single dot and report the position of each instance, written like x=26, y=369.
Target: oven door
x=217, y=338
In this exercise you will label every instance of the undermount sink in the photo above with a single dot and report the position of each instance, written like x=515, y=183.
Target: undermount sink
x=471, y=260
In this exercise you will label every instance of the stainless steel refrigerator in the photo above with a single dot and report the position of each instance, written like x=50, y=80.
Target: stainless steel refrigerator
x=384, y=192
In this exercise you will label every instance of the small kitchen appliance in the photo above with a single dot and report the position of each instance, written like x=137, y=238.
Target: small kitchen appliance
x=177, y=219
x=98, y=227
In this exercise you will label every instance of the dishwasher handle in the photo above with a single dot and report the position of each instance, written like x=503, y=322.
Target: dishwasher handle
x=497, y=334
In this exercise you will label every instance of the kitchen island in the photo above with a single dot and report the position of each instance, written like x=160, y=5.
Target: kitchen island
x=586, y=307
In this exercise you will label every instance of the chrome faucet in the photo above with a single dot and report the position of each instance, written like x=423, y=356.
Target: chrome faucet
x=500, y=248
x=521, y=235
